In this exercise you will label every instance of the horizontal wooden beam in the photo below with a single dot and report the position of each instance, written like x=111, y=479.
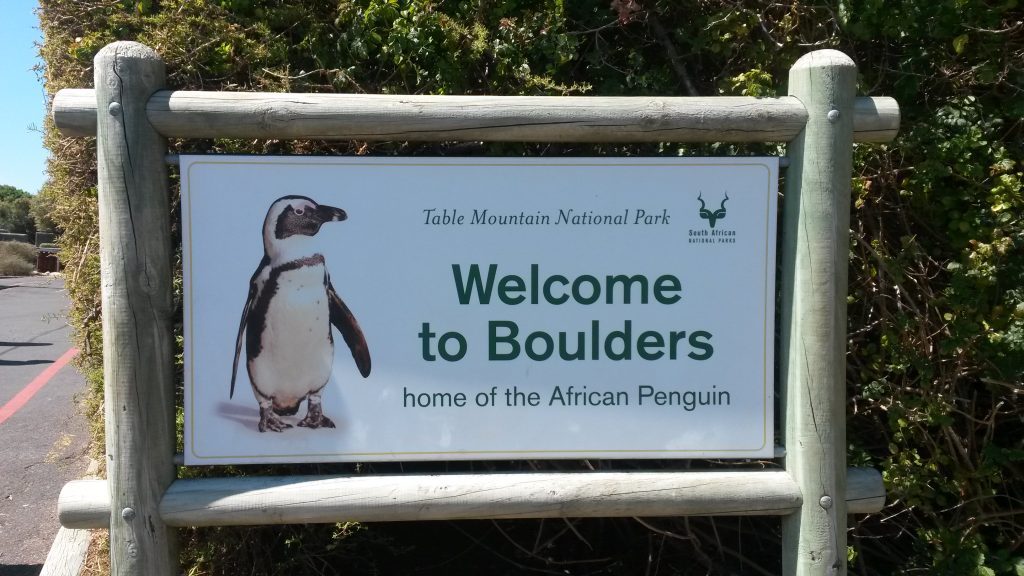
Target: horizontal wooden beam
x=84, y=504
x=375, y=117
x=256, y=500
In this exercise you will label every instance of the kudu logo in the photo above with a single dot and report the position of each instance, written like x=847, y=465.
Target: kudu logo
x=709, y=215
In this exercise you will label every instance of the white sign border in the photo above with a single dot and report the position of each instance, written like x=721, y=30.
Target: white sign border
x=766, y=449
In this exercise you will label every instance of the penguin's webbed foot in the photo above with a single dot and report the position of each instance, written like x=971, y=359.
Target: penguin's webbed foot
x=271, y=421
x=321, y=422
x=315, y=414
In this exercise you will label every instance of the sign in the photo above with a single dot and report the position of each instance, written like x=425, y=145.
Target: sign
x=371, y=309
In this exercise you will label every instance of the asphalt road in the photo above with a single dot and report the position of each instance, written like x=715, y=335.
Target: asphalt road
x=43, y=441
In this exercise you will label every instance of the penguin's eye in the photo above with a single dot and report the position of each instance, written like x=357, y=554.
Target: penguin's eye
x=299, y=211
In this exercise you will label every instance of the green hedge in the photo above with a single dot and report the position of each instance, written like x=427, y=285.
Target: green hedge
x=936, y=304
x=17, y=258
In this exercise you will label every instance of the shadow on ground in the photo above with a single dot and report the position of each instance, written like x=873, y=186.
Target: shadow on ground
x=20, y=569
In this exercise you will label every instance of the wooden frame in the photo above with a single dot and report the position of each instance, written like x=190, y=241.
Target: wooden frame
x=132, y=114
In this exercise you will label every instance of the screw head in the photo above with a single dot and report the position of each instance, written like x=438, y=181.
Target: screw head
x=833, y=116
x=114, y=109
x=825, y=502
x=128, y=514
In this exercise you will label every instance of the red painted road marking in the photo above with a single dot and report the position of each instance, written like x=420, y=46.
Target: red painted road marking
x=26, y=393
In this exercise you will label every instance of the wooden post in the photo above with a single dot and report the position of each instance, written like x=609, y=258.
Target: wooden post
x=135, y=261
x=815, y=249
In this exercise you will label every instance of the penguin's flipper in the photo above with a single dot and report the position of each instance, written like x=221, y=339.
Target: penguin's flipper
x=249, y=302
x=346, y=323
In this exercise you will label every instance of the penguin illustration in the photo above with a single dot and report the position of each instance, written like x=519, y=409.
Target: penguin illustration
x=288, y=316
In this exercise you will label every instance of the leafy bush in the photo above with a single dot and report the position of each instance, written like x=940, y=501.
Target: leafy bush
x=16, y=216
x=8, y=192
x=17, y=259
x=11, y=265
x=936, y=303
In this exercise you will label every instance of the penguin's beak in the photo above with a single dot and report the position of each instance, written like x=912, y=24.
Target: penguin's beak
x=330, y=213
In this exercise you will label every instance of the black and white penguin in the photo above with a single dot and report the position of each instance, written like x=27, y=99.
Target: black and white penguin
x=288, y=316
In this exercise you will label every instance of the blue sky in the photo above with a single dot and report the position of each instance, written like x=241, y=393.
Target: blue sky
x=22, y=156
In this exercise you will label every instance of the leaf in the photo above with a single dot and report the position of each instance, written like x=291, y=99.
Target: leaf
x=959, y=43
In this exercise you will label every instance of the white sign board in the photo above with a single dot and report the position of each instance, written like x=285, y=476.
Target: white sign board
x=362, y=309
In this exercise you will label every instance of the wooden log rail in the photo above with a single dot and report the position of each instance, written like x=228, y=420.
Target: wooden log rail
x=256, y=500
x=265, y=115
